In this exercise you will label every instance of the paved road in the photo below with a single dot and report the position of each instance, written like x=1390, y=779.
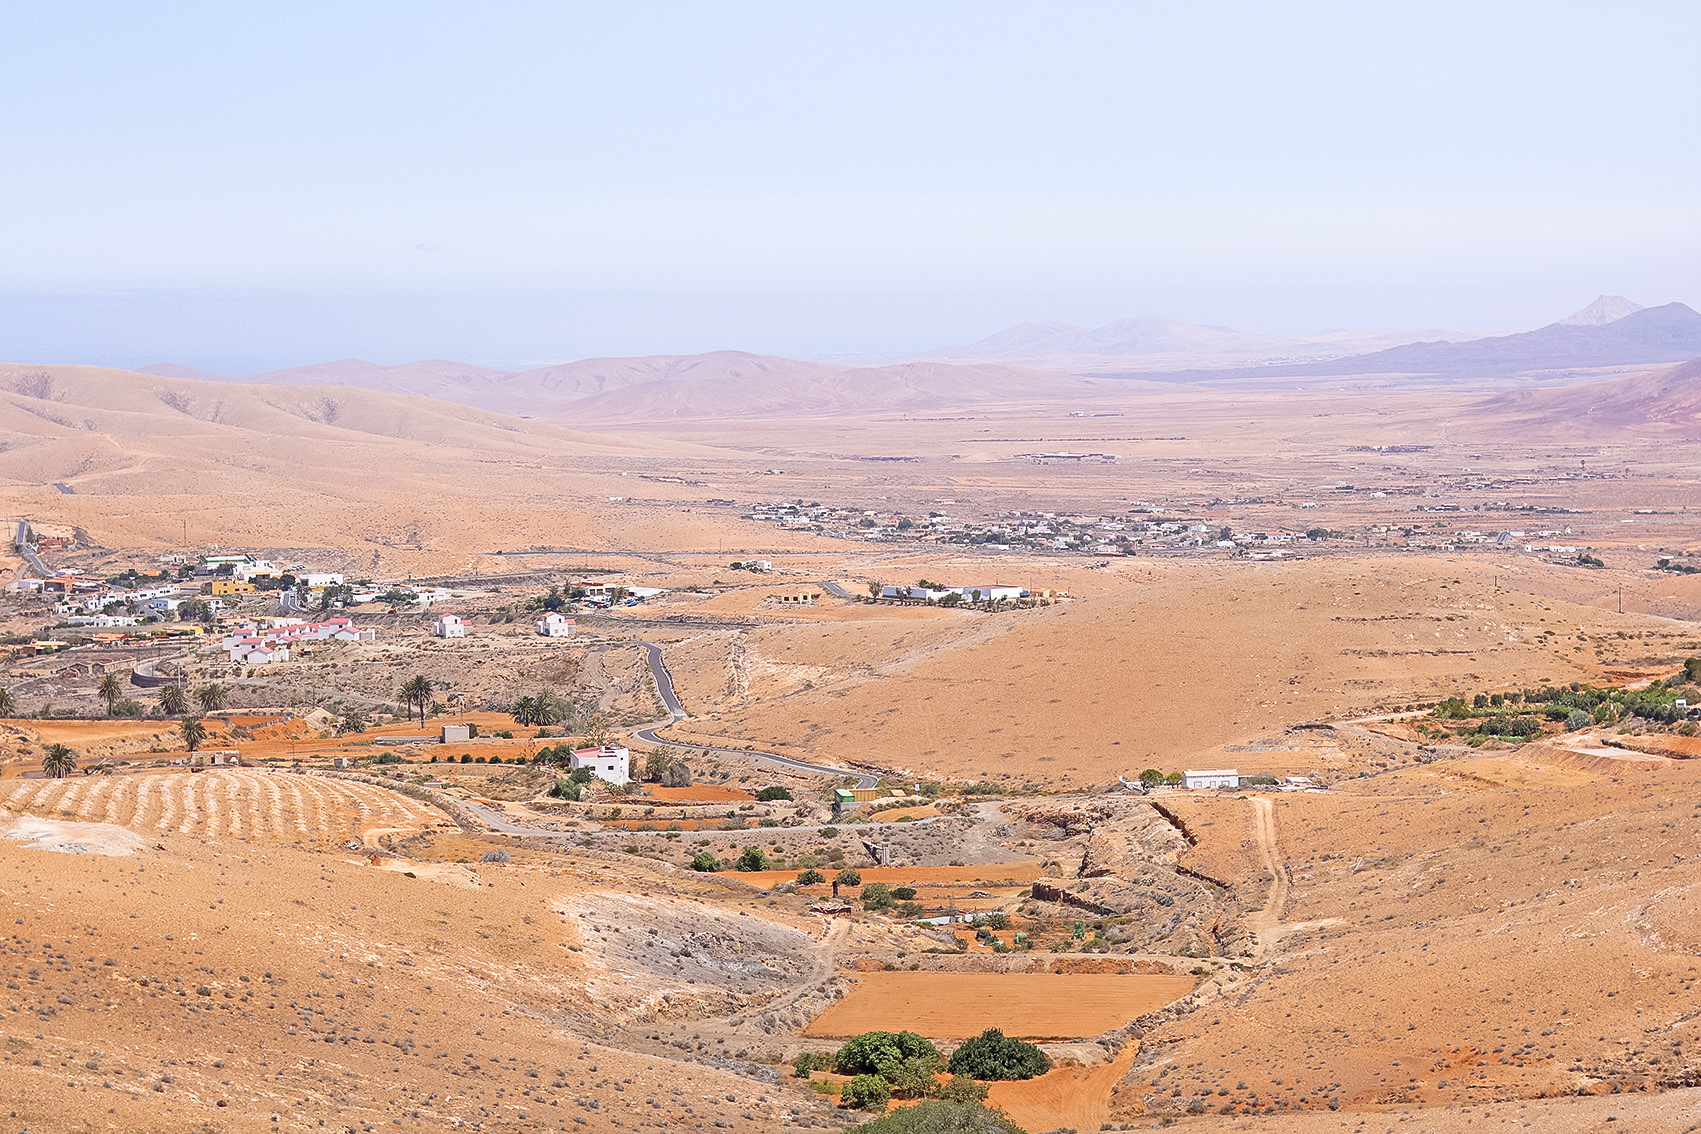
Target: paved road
x=28, y=552
x=676, y=713
x=835, y=590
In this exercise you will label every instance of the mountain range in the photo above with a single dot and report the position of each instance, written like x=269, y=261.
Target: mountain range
x=1067, y=361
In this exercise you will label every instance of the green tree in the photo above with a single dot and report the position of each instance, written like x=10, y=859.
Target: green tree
x=59, y=761
x=564, y=789
x=1151, y=777
x=110, y=689
x=705, y=861
x=194, y=731
x=877, y=896
x=1173, y=779
x=656, y=763
x=916, y=1077
x=8, y=706
x=212, y=697
x=524, y=711
x=881, y=1053
x=904, y=893
x=940, y=1116
x=769, y=794
x=991, y=1055
x=867, y=1092
x=173, y=700
x=419, y=691
x=849, y=878
x=810, y=878
x=752, y=859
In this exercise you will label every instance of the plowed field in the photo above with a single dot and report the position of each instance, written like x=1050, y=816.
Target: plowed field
x=1030, y=1005
x=235, y=802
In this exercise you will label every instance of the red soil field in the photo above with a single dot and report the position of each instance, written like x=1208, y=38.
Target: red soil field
x=1030, y=1005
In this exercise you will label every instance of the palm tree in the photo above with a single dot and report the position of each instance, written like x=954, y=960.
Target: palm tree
x=193, y=732
x=212, y=697
x=524, y=711
x=110, y=689
x=59, y=762
x=8, y=707
x=418, y=691
x=173, y=700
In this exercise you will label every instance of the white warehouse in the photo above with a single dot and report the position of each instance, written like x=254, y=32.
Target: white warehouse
x=1211, y=778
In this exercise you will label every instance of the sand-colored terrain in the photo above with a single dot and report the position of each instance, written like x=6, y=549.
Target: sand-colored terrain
x=1451, y=937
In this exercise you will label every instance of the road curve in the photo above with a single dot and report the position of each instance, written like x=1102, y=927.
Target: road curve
x=835, y=590
x=676, y=713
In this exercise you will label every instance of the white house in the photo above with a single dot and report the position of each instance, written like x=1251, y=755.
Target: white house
x=1211, y=778
x=318, y=579
x=609, y=763
x=553, y=625
x=449, y=626
x=261, y=655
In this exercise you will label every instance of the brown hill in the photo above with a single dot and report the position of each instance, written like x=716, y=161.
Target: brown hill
x=909, y=387
x=1669, y=397
x=541, y=392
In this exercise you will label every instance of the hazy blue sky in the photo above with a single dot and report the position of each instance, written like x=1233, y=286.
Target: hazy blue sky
x=242, y=186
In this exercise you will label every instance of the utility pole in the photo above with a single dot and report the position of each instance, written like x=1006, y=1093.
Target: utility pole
x=1621, y=598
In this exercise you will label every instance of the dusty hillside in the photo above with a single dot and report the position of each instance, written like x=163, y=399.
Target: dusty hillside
x=1163, y=663
x=250, y=985
x=1457, y=935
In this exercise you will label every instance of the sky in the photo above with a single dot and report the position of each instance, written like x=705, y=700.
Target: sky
x=242, y=187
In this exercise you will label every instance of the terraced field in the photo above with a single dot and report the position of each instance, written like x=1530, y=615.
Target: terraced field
x=235, y=802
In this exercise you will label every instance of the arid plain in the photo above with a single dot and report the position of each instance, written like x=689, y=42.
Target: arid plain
x=1457, y=930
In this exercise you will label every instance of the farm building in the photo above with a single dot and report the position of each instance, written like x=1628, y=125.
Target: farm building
x=799, y=598
x=455, y=734
x=1211, y=778
x=554, y=625
x=449, y=626
x=609, y=763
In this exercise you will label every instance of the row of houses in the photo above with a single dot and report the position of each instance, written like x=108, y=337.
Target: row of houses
x=551, y=625
x=980, y=592
x=254, y=645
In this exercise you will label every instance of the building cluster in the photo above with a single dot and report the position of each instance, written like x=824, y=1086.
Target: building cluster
x=270, y=641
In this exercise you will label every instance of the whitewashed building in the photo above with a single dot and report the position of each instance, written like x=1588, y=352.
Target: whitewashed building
x=610, y=763
x=449, y=626
x=553, y=625
x=1211, y=778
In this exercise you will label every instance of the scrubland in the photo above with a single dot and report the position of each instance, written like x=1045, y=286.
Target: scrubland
x=1444, y=936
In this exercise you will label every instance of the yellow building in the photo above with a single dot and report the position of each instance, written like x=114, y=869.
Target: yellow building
x=227, y=587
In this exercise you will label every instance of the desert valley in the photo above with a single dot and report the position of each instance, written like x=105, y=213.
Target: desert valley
x=1295, y=735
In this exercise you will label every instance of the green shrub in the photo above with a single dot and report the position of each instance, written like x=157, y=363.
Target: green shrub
x=849, y=878
x=991, y=1055
x=810, y=878
x=867, y=1092
x=769, y=794
x=963, y=1089
x=904, y=893
x=877, y=896
x=880, y=1052
x=811, y=1061
x=752, y=859
x=565, y=789
x=939, y=1116
x=997, y=919
x=705, y=861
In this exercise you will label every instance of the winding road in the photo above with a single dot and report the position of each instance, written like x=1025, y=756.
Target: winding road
x=676, y=713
